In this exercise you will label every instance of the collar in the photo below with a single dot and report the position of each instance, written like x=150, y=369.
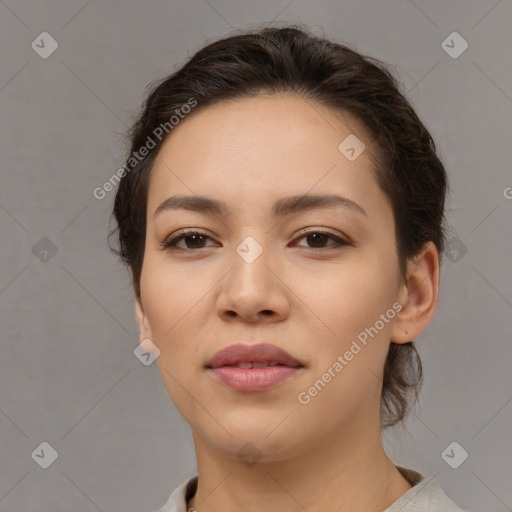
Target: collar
x=425, y=495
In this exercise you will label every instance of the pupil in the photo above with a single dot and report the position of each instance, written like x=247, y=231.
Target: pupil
x=196, y=237
x=321, y=235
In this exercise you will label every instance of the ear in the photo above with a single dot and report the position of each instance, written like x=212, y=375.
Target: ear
x=418, y=296
x=142, y=322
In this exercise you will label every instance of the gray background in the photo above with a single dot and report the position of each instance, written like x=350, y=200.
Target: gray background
x=68, y=374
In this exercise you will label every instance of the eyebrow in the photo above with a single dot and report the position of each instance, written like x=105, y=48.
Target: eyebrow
x=281, y=208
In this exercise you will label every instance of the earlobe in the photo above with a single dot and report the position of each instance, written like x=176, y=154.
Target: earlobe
x=419, y=296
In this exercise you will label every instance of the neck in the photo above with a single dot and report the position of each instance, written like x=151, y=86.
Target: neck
x=349, y=474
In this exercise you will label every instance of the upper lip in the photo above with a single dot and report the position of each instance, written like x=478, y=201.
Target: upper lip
x=259, y=353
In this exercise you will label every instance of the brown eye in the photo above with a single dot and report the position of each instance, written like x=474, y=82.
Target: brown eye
x=319, y=238
x=316, y=240
x=193, y=240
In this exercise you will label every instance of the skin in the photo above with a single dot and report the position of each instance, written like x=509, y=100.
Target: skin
x=327, y=454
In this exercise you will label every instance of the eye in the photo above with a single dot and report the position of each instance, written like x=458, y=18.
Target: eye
x=318, y=237
x=197, y=238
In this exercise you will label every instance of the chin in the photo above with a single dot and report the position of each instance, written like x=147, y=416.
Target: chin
x=261, y=440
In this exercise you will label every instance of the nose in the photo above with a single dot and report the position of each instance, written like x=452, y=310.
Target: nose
x=253, y=291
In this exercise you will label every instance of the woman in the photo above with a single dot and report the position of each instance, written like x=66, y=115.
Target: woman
x=282, y=215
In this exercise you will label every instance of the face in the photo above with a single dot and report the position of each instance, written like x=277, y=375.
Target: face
x=321, y=283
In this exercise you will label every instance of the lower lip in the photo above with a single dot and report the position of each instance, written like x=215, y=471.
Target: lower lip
x=253, y=379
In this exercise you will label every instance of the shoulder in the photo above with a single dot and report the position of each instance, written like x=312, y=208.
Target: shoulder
x=426, y=495
x=178, y=499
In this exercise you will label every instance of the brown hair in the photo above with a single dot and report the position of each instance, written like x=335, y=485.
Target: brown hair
x=291, y=59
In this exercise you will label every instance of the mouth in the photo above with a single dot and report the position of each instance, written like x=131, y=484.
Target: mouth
x=253, y=356
x=251, y=368
x=256, y=364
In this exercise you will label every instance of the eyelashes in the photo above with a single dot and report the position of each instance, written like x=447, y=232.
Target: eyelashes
x=171, y=243
x=173, y=240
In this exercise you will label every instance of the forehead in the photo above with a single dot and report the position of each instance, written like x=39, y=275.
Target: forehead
x=264, y=126
x=268, y=146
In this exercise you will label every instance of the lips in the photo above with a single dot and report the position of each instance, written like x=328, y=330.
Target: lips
x=249, y=368
x=253, y=356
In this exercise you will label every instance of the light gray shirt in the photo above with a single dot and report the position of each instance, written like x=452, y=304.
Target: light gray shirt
x=426, y=495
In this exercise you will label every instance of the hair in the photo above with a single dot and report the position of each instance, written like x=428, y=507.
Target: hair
x=292, y=60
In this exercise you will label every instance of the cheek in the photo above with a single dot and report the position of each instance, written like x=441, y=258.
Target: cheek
x=172, y=311
x=350, y=304
x=170, y=295
x=178, y=307
x=349, y=298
